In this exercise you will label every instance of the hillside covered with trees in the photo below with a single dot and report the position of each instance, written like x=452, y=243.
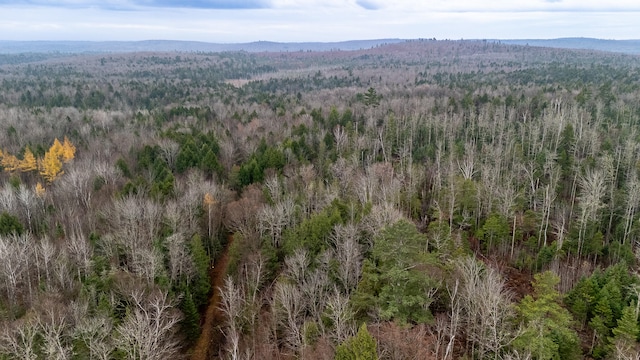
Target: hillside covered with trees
x=417, y=200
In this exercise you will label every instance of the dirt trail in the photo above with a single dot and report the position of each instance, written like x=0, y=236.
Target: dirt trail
x=211, y=338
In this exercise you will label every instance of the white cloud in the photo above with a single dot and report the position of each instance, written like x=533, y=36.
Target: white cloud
x=329, y=20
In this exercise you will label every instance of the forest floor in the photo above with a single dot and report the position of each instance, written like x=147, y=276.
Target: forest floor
x=518, y=282
x=211, y=338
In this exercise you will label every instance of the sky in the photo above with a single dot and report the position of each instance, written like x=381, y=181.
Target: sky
x=232, y=21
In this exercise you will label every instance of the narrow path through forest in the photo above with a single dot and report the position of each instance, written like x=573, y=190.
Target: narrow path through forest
x=211, y=337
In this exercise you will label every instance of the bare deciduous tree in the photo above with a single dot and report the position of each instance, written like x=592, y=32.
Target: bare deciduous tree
x=12, y=267
x=288, y=304
x=380, y=217
x=592, y=191
x=341, y=316
x=94, y=331
x=47, y=253
x=19, y=340
x=106, y=172
x=349, y=255
x=455, y=319
x=273, y=219
x=241, y=215
x=147, y=263
x=180, y=261
x=486, y=307
x=150, y=330
x=342, y=138
x=274, y=187
x=8, y=199
x=631, y=205
x=63, y=271
x=135, y=222
x=29, y=205
x=232, y=303
x=169, y=150
x=297, y=266
x=80, y=252
x=76, y=183
x=468, y=163
x=53, y=324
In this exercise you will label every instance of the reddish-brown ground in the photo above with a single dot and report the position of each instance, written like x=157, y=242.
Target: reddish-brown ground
x=518, y=282
x=211, y=338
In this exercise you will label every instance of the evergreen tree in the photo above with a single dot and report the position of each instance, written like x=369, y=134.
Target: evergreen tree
x=201, y=284
x=362, y=346
x=10, y=224
x=394, y=283
x=547, y=332
x=625, y=335
x=191, y=320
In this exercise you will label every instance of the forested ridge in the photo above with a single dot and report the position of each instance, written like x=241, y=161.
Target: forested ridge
x=417, y=200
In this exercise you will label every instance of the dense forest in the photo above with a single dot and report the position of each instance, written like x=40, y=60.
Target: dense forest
x=417, y=200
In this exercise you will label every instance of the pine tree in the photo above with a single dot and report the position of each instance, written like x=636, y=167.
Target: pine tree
x=547, y=332
x=627, y=329
x=601, y=323
x=191, y=320
x=10, y=224
x=200, y=286
x=623, y=342
x=360, y=347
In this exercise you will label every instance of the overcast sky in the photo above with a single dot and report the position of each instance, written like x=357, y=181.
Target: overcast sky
x=229, y=21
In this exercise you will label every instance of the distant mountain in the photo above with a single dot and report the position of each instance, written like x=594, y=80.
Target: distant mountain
x=13, y=47
x=621, y=46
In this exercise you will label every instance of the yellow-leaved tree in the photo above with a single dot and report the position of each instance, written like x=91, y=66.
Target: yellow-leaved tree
x=9, y=162
x=40, y=190
x=209, y=201
x=68, y=150
x=51, y=165
x=57, y=149
x=28, y=162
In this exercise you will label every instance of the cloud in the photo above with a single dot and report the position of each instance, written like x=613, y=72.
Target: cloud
x=206, y=4
x=369, y=5
x=410, y=6
x=315, y=20
x=488, y=6
x=137, y=4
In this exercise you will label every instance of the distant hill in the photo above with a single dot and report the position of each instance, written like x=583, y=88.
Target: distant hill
x=75, y=47
x=14, y=47
x=621, y=46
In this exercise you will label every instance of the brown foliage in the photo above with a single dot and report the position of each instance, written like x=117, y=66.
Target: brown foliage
x=241, y=215
x=397, y=342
